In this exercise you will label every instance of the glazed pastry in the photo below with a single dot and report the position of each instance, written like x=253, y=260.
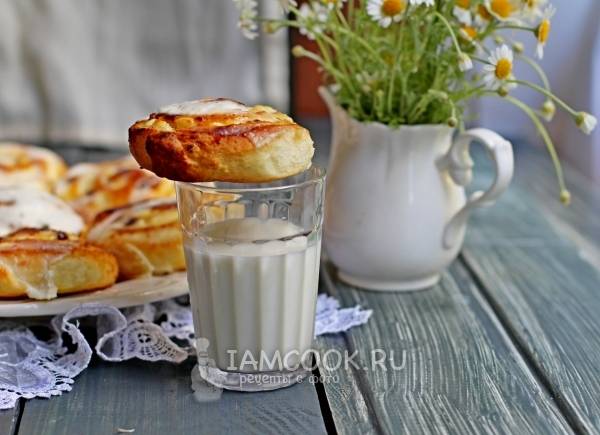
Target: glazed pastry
x=33, y=208
x=42, y=264
x=91, y=188
x=220, y=140
x=83, y=178
x=144, y=237
x=28, y=165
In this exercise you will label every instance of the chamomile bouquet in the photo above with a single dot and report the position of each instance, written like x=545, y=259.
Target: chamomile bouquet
x=406, y=62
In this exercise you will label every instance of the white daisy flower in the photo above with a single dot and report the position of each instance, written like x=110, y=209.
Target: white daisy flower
x=532, y=9
x=499, y=69
x=586, y=122
x=464, y=62
x=311, y=19
x=462, y=12
x=504, y=10
x=482, y=16
x=543, y=30
x=468, y=33
x=286, y=4
x=331, y=4
x=422, y=2
x=248, y=14
x=386, y=11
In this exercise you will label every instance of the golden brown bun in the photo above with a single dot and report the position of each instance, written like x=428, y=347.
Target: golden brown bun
x=91, y=188
x=256, y=144
x=83, y=178
x=144, y=237
x=27, y=165
x=41, y=264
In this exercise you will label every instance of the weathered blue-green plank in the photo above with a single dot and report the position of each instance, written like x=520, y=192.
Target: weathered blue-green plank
x=156, y=398
x=534, y=195
x=578, y=223
x=537, y=264
x=9, y=420
x=461, y=374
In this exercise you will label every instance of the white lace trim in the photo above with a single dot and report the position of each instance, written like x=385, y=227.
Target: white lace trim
x=164, y=331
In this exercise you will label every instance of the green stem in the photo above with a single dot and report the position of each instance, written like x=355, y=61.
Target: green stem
x=546, y=93
x=538, y=69
x=515, y=27
x=545, y=136
x=327, y=67
x=392, y=82
x=450, y=30
x=351, y=11
x=362, y=42
x=477, y=91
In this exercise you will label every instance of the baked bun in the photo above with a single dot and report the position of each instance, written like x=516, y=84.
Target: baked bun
x=28, y=165
x=83, y=178
x=41, y=264
x=144, y=237
x=220, y=140
x=91, y=188
x=32, y=208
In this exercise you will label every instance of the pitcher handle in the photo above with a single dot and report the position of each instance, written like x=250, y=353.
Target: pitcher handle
x=459, y=164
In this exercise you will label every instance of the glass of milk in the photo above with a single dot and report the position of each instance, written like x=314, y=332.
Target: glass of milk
x=252, y=254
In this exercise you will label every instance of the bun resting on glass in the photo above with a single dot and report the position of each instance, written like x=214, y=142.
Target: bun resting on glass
x=220, y=140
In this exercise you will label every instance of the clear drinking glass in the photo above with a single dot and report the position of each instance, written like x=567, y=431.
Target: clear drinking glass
x=252, y=254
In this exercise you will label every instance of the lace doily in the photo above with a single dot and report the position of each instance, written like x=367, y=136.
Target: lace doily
x=34, y=367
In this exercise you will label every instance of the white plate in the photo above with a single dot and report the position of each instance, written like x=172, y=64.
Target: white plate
x=124, y=294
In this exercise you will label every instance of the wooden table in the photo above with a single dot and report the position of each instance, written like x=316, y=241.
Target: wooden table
x=508, y=342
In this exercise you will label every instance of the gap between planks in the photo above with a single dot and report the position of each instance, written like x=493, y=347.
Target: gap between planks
x=512, y=339
x=362, y=388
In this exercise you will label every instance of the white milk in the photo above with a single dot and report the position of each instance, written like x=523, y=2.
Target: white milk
x=253, y=297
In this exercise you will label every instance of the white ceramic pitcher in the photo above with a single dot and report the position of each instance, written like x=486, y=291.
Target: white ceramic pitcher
x=396, y=208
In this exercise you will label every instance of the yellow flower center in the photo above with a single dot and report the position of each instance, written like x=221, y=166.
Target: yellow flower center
x=543, y=31
x=483, y=12
x=503, y=68
x=502, y=8
x=391, y=8
x=469, y=31
x=532, y=3
x=465, y=4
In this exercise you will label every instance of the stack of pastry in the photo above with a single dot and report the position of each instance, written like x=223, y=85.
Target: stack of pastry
x=67, y=230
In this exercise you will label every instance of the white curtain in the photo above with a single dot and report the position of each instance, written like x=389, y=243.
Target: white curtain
x=84, y=70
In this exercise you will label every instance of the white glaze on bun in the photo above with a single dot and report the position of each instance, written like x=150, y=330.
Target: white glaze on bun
x=22, y=207
x=27, y=165
x=205, y=106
